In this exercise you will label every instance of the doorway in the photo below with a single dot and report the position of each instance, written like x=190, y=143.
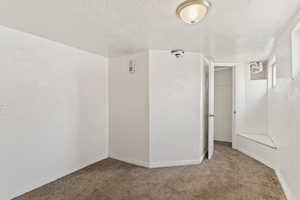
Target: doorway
x=223, y=104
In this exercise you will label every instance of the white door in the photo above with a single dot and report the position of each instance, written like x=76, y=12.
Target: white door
x=211, y=109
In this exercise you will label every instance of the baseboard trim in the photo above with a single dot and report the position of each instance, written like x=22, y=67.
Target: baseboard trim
x=159, y=164
x=252, y=155
x=177, y=162
x=131, y=161
x=284, y=185
x=174, y=163
x=54, y=178
x=280, y=177
x=269, y=143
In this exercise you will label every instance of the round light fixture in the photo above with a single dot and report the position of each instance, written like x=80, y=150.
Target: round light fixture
x=192, y=11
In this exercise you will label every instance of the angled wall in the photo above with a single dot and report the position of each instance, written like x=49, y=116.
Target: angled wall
x=251, y=103
x=175, y=115
x=284, y=113
x=129, y=109
x=156, y=113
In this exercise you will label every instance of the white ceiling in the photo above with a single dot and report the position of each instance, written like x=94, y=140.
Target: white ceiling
x=233, y=29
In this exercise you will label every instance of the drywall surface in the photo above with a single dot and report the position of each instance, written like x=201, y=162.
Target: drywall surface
x=284, y=114
x=295, y=37
x=53, y=111
x=223, y=105
x=175, y=96
x=129, y=109
x=251, y=103
x=283, y=118
x=252, y=115
x=255, y=119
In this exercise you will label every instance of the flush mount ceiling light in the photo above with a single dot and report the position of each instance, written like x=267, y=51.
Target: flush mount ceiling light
x=192, y=11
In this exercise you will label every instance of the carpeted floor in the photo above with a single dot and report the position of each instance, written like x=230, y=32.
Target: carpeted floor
x=229, y=176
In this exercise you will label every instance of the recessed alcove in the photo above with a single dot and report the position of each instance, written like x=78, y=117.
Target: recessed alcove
x=254, y=117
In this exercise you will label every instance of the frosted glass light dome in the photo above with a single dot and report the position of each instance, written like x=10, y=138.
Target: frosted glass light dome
x=192, y=11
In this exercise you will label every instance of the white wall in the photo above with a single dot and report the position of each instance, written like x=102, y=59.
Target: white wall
x=255, y=119
x=155, y=116
x=295, y=70
x=223, y=105
x=175, y=96
x=251, y=102
x=284, y=115
x=53, y=111
x=129, y=109
x=251, y=94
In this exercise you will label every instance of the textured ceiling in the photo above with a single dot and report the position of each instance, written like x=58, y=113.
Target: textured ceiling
x=233, y=29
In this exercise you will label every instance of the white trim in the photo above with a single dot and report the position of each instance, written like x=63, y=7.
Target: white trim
x=160, y=164
x=234, y=105
x=174, y=163
x=211, y=109
x=46, y=181
x=284, y=185
x=202, y=101
x=281, y=179
x=149, y=105
x=254, y=156
x=131, y=161
x=270, y=143
x=177, y=162
x=224, y=64
x=292, y=56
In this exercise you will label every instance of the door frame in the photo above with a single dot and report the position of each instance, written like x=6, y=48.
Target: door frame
x=233, y=66
x=211, y=110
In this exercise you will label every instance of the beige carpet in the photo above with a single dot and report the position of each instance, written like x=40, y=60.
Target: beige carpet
x=229, y=176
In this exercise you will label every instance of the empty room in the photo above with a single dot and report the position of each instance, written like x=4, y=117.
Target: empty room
x=150, y=100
